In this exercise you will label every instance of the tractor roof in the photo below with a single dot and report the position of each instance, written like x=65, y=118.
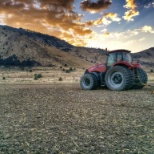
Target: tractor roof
x=120, y=50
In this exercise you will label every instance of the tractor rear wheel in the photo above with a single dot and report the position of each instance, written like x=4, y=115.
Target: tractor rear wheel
x=88, y=82
x=141, y=78
x=119, y=78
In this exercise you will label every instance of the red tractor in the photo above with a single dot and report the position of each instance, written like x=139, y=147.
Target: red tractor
x=119, y=73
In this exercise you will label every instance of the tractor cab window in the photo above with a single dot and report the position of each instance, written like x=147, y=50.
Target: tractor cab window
x=119, y=56
x=127, y=57
x=111, y=59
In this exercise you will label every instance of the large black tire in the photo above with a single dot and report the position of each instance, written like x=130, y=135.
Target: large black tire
x=141, y=78
x=88, y=82
x=119, y=78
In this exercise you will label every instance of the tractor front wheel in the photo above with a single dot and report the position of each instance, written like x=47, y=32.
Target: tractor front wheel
x=119, y=78
x=88, y=82
x=141, y=78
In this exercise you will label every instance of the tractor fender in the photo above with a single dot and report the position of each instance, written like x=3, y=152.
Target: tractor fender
x=123, y=63
x=96, y=74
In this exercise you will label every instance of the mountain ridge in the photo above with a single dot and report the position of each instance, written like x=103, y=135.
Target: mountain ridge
x=20, y=47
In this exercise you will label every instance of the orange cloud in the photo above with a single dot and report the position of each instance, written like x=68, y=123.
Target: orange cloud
x=130, y=4
x=105, y=20
x=94, y=7
x=106, y=33
x=132, y=10
x=112, y=16
x=130, y=14
x=45, y=16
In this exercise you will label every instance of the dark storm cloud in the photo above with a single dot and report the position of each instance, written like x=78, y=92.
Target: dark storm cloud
x=67, y=4
x=93, y=7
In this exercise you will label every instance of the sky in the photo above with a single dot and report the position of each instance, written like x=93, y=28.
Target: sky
x=111, y=24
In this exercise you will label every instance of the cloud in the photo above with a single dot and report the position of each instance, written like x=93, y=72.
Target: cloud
x=106, y=33
x=134, y=40
x=93, y=7
x=149, y=5
x=130, y=4
x=112, y=16
x=142, y=39
x=130, y=14
x=45, y=16
x=147, y=29
x=2, y=17
x=107, y=19
x=132, y=10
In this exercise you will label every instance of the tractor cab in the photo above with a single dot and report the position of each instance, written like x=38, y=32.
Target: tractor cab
x=118, y=56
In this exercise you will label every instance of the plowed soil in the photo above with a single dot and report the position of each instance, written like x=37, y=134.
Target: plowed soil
x=62, y=118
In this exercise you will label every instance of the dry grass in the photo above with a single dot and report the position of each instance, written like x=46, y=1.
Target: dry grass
x=50, y=75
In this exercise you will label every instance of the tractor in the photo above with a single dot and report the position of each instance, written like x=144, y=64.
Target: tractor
x=119, y=73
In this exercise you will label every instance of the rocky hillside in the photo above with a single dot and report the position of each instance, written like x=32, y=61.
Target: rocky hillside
x=19, y=47
x=145, y=57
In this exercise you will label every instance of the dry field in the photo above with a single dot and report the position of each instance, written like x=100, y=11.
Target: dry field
x=63, y=119
x=49, y=75
x=57, y=117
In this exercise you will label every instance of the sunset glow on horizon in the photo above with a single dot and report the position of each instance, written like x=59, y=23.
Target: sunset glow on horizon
x=124, y=24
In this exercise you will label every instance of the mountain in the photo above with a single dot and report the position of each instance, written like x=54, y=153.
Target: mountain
x=145, y=57
x=20, y=47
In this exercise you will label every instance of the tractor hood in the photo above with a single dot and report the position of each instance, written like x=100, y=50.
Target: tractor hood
x=97, y=68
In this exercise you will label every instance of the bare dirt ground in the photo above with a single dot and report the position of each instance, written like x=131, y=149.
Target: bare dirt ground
x=63, y=119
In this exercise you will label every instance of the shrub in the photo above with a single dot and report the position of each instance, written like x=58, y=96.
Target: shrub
x=37, y=76
x=3, y=78
x=67, y=71
x=71, y=69
x=60, y=79
x=65, y=65
x=151, y=70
